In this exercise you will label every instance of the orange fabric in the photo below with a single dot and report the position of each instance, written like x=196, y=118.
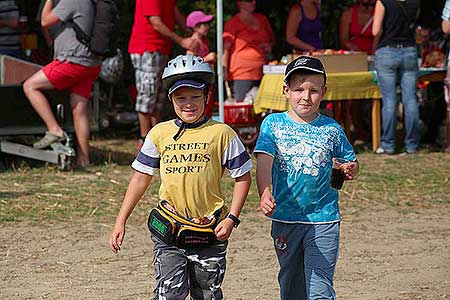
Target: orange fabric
x=246, y=56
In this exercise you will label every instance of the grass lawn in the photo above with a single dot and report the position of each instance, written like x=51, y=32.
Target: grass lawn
x=45, y=194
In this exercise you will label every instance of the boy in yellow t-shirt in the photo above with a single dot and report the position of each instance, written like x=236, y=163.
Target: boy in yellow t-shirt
x=191, y=152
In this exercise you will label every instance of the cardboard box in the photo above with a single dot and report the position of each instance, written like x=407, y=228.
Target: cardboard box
x=339, y=63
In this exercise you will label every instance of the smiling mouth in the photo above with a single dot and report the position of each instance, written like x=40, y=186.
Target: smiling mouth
x=189, y=111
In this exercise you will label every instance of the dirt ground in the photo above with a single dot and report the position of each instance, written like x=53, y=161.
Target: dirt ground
x=384, y=255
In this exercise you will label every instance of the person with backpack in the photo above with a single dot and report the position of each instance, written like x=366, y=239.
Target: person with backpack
x=150, y=45
x=73, y=69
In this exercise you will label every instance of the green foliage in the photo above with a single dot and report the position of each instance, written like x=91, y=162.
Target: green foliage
x=331, y=11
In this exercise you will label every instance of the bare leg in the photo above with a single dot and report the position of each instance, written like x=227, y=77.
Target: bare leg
x=81, y=123
x=144, y=123
x=33, y=88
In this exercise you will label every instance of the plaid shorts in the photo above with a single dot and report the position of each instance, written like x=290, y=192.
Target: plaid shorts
x=148, y=68
x=179, y=272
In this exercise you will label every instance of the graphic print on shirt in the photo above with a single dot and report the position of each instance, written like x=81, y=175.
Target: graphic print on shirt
x=192, y=160
x=306, y=151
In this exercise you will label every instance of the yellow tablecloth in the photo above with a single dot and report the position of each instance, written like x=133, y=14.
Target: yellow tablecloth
x=341, y=86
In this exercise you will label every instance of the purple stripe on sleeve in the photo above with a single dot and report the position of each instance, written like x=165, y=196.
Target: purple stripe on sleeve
x=147, y=160
x=238, y=161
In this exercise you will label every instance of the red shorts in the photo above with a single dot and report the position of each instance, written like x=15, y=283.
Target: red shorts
x=72, y=77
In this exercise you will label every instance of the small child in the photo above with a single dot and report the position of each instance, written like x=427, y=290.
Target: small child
x=295, y=154
x=191, y=225
x=199, y=22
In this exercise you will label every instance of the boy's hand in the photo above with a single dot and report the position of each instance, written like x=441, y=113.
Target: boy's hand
x=116, y=238
x=350, y=169
x=267, y=204
x=223, y=229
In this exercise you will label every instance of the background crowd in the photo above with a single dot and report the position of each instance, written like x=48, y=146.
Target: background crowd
x=255, y=32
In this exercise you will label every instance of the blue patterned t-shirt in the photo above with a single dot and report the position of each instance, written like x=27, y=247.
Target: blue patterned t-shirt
x=446, y=11
x=301, y=171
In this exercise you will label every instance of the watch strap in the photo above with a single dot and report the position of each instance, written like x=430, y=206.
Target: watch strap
x=234, y=219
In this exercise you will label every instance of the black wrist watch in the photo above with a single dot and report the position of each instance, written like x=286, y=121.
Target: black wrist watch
x=235, y=220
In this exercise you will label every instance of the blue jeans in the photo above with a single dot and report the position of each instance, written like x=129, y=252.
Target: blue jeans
x=307, y=254
x=391, y=62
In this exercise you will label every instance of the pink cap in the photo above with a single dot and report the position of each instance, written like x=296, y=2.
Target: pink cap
x=197, y=17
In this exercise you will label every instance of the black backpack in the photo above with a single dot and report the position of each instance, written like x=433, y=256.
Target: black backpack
x=104, y=36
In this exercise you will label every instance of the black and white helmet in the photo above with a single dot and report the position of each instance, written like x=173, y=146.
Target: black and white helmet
x=187, y=67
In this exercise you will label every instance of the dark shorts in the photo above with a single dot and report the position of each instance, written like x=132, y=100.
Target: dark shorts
x=179, y=272
x=75, y=78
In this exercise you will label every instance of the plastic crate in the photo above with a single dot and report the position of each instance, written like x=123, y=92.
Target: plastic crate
x=239, y=113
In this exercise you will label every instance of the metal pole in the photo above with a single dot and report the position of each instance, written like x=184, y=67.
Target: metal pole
x=219, y=9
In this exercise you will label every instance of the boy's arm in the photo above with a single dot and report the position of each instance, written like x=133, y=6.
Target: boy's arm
x=136, y=189
x=240, y=192
x=264, y=163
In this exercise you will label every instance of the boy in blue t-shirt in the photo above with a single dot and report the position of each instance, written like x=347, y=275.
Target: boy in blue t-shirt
x=295, y=154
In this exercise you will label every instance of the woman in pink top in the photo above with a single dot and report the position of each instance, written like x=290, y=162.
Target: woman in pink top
x=247, y=42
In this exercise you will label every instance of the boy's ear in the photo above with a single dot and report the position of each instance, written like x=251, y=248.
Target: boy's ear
x=285, y=88
x=324, y=91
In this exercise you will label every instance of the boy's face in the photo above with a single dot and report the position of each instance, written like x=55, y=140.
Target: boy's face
x=305, y=91
x=189, y=103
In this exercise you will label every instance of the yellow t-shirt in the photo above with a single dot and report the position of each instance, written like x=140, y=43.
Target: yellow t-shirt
x=191, y=167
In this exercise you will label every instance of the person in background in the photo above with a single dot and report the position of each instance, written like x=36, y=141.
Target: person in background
x=247, y=45
x=150, y=45
x=73, y=69
x=9, y=29
x=200, y=23
x=355, y=27
x=303, y=26
x=355, y=34
x=396, y=54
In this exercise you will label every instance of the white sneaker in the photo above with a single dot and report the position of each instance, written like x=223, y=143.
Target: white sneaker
x=382, y=151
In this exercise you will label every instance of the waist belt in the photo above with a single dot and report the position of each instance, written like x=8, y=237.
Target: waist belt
x=173, y=229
